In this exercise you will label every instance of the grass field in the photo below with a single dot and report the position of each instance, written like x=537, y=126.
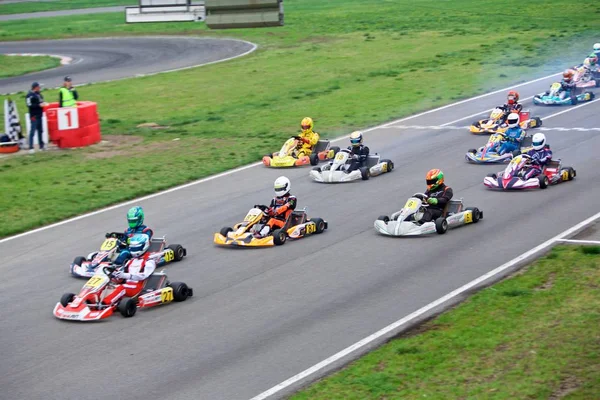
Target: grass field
x=534, y=336
x=18, y=8
x=21, y=65
x=347, y=63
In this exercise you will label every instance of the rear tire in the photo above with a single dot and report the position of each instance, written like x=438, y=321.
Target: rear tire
x=181, y=291
x=572, y=173
x=320, y=224
x=476, y=213
x=390, y=165
x=178, y=251
x=127, y=307
x=365, y=173
x=314, y=159
x=538, y=122
x=225, y=231
x=441, y=225
x=544, y=182
x=384, y=218
x=66, y=299
x=279, y=237
x=335, y=149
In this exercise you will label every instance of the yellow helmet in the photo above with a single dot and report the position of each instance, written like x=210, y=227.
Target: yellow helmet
x=307, y=124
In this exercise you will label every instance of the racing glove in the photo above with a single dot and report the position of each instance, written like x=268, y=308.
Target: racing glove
x=121, y=275
x=432, y=200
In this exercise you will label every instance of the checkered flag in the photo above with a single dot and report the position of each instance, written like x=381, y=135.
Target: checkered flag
x=13, y=124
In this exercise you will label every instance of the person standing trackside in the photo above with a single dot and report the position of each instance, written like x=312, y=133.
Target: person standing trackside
x=35, y=104
x=67, y=95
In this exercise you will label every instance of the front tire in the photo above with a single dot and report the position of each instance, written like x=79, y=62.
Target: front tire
x=66, y=299
x=365, y=173
x=384, y=218
x=441, y=225
x=544, y=182
x=79, y=260
x=225, y=231
x=181, y=291
x=127, y=307
x=279, y=237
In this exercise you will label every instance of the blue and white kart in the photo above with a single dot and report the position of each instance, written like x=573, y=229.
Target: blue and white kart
x=552, y=97
x=488, y=154
x=115, y=242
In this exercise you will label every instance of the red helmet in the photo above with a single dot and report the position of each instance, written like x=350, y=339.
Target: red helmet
x=513, y=97
x=568, y=75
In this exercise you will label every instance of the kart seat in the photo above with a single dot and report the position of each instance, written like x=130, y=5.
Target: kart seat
x=154, y=282
x=156, y=245
x=527, y=141
x=322, y=145
x=453, y=207
x=297, y=218
x=372, y=160
x=553, y=164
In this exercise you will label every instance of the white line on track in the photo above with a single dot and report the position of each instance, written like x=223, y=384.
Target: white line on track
x=243, y=168
x=571, y=109
x=398, y=326
x=462, y=128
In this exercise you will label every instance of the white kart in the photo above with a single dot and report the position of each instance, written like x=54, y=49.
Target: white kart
x=406, y=221
x=336, y=171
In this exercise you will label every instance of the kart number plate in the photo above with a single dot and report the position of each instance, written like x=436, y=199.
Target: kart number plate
x=410, y=204
x=94, y=281
x=108, y=244
x=555, y=86
x=469, y=217
x=169, y=255
x=166, y=296
x=311, y=228
x=339, y=156
x=565, y=175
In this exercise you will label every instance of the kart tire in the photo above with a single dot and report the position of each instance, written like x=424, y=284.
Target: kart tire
x=365, y=173
x=224, y=231
x=441, y=225
x=178, y=250
x=472, y=151
x=573, y=100
x=544, y=182
x=127, y=307
x=321, y=226
x=335, y=149
x=279, y=237
x=592, y=95
x=314, y=159
x=181, y=291
x=390, y=165
x=66, y=299
x=493, y=176
x=79, y=260
x=538, y=122
x=383, y=218
x=516, y=152
x=476, y=214
x=572, y=173
x=317, y=169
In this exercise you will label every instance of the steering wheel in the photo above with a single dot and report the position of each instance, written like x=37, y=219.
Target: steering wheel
x=109, y=269
x=421, y=196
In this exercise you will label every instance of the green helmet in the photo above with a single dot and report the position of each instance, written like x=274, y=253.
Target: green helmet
x=135, y=217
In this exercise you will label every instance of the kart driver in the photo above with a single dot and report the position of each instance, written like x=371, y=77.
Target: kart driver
x=308, y=137
x=135, y=219
x=511, y=139
x=567, y=85
x=591, y=64
x=540, y=156
x=359, y=151
x=597, y=49
x=281, y=206
x=438, y=195
x=136, y=270
x=512, y=104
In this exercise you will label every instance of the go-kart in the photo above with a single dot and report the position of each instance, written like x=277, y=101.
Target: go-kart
x=287, y=156
x=407, y=221
x=496, y=122
x=488, y=154
x=553, y=97
x=585, y=78
x=115, y=242
x=88, y=304
x=245, y=234
x=336, y=171
x=512, y=177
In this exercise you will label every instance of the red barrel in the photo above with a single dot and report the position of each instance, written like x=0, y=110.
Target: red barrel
x=73, y=127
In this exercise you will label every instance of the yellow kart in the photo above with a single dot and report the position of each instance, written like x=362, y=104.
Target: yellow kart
x=287, y=156
x=495, y=123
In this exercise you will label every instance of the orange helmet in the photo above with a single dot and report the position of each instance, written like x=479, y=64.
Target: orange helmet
x=434, y=178
x=307, y=124
x=568, y=75
x=513, y=97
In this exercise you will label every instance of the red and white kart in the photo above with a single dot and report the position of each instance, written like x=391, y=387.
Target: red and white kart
x=88, y=304
x=512, y=177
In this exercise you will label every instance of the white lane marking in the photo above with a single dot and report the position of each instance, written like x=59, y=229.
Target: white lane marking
x=571, y=109
x=243, y=168
x=479, y=113
x=390, y=329
x=593, y=242
x=446, y=127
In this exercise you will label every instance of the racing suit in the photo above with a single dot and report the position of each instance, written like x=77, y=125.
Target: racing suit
x=359, y=156
x=125, y=254
x=511, y=140
x=135, y=271
x=566, y=89
x=443, y=194
x=539, y=159
x=508, y=109
x=281, y=208
x=309, y=141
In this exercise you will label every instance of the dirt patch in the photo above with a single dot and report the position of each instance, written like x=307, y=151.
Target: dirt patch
x=152, y=125
x=502, y=347
x=548, y=284
x=567, y=386
x=422, y=328
x=112, y=146
x=380, y=366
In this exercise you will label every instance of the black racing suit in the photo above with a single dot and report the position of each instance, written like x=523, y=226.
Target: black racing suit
x=567, y=88
x=443, y=194
x=362, y=153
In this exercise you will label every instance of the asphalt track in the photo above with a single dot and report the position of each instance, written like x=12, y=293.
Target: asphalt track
x=261, y=316
x=103, y=59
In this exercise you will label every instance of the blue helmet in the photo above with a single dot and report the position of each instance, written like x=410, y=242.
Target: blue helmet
x=139, y=244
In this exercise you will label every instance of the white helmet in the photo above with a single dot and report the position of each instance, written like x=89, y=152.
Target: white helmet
x=282, y=186
x=356, y=138
x=513, y=120
x=597, y=47
x=139, y=244
x=539, y=141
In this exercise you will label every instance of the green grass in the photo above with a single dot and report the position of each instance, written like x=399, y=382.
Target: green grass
x=347, y=63
x=21, y=65
x=22, y=8
x=534, y=336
